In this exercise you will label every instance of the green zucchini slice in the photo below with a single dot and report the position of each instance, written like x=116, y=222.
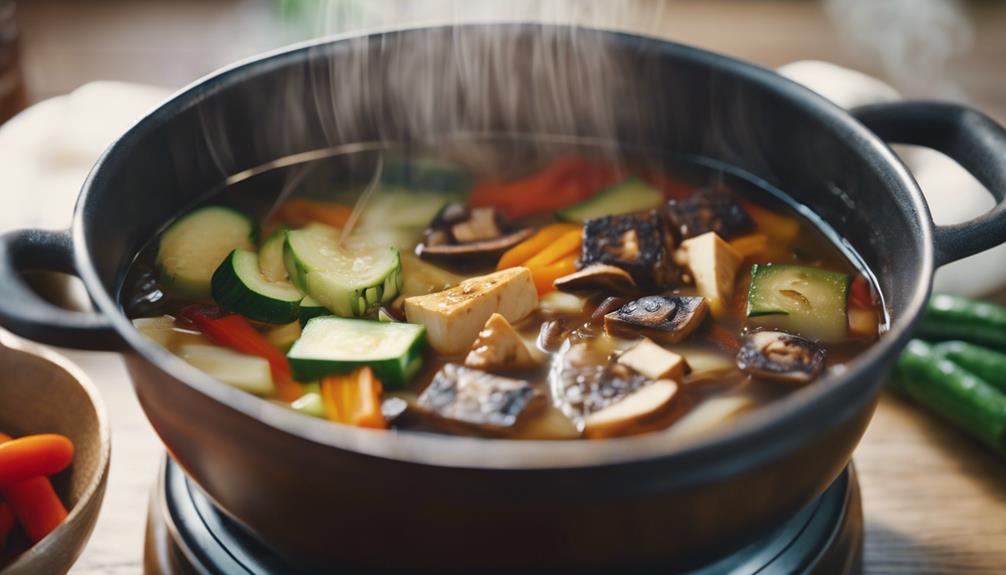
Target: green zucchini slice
x=334, y=345
x=239, y=286
x=195, y=245
x=352, y=279
x=629, y=196
x=801, y=300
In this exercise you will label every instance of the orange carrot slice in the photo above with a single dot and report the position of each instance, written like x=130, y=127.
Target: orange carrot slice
x=354, y=399
x=300, y=211
x=564, y=245
x=527, y=249
x=544, y=277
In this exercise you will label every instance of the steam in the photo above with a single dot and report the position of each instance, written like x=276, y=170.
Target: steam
x=915, y=41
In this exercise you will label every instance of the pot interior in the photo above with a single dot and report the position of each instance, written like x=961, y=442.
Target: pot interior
x=313, y=115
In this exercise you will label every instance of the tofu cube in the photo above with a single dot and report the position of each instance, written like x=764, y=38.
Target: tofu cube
x=713, y=264
x=454, y=317
x=654, y=361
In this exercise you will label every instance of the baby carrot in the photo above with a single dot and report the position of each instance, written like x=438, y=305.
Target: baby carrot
x=527, y=249
x=566, y=244
x=544, y=277
x=6, y=523
x=32, y=456
x=34, y=503
x=36, y=506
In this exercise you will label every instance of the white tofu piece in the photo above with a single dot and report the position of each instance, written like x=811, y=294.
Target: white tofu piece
x=654, y=361
x=638, y=405
x=713, y=264
x=499, y=346
x=454, y=317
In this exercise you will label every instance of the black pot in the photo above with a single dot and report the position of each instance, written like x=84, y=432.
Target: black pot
x=326, y=496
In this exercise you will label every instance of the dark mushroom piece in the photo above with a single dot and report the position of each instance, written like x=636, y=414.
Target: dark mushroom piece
x=708, y=210
x=780, y=356
x=459, y=234
x=640, y=244
x=475, y=398
x=597, y=277
x=664, y=319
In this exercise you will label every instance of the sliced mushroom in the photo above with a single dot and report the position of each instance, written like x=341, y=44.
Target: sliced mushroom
x=632, y=409
x=708, y=210
x=462, y=252
x=586, y=382
x=665, y=319
x=780, y=356
x=459, y=234
x=475, y=398
x=640, y=244
x=597, y=277
x=654, y=362
x=499, y=346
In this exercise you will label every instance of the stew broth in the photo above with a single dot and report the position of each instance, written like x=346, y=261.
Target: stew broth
x=582, y=364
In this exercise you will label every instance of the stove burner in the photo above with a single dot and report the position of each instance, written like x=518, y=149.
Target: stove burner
x=187, y=535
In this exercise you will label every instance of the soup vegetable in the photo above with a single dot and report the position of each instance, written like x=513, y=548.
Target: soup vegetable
x=583, y=300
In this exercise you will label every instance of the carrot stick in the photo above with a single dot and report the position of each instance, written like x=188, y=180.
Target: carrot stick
x=353, y=399
x=34, y=455
x=6, y=523
x=566, y=244
x=779, y=226
x=300, y=211
x=34, y=503
x=525, y=250
x=544, y=277
x=36, y=506
x=750, y=245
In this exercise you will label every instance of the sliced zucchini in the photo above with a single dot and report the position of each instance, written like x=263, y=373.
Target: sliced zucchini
x=239, y=286
x=629, y=196
x=270, y=257
x=310, y=308
x=332, y=345
x=421, y=277
x=247, y=372
x=193, y=247
x=397, y=216
x=800, y=300
x=350, y=279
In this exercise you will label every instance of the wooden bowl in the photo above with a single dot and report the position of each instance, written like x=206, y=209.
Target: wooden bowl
x=42, y=392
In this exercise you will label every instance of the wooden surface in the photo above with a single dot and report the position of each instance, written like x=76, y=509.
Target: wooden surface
x=934, y=501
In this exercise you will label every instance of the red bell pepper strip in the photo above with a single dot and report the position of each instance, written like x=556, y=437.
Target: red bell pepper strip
x=566, y=181
x=235, y=332
x=859, y=293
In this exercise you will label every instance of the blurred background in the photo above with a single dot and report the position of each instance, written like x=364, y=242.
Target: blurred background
x=932, y=48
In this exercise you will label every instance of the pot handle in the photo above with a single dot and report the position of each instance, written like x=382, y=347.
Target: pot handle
x=23, y=312
x=967, y=136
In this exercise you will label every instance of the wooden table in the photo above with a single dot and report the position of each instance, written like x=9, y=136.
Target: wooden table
x=934, y=501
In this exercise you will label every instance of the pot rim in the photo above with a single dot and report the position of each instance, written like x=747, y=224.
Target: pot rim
x=762, y=435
